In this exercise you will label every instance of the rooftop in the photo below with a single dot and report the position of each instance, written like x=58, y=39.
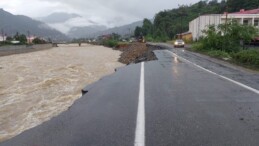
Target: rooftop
x=243, y=11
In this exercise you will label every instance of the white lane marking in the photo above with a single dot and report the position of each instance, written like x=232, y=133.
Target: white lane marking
x=223, y=77
x=140, y=128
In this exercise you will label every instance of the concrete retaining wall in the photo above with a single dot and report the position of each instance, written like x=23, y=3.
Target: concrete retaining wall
x=9, y=50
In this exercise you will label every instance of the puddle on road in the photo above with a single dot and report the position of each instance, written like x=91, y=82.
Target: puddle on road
x=36, y=86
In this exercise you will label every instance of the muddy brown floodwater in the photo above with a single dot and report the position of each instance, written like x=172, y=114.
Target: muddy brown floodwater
x=34, y=87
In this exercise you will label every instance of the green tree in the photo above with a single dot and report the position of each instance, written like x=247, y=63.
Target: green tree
x=20, y=37
x=236, y=5
x=9, y=38
x=220, y=38
x=38, y=41
x=147, y=27
x=23, y=39
x=16, y=36
x=115, y=36
x=171, y=22
x=138, y=31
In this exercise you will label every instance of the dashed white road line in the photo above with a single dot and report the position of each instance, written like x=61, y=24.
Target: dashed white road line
x=140, y=127
x=223, y=77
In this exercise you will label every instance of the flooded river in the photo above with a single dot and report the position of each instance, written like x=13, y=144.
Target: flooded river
x=37, y=86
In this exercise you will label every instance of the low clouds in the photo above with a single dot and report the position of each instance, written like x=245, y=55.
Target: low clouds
x=110, y=13
x=66, y=26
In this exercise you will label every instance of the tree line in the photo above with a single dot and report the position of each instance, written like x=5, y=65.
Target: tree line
x=22, y=39
x=168, y=23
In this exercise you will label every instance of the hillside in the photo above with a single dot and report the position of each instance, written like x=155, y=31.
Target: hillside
x=87, y=31
x=76, y=26
x=171, y=22
x=125, y=30
x=58, y=17
x=11, y=24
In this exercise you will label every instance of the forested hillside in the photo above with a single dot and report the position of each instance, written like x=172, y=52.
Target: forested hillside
x=168, y=23
x=12, y=24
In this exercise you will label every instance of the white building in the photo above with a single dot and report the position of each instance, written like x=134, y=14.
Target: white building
x=199, y=24
x=2, y=38
x=30, y=39
x=250, y=17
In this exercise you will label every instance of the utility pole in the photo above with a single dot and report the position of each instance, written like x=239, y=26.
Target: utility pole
x=181, y=27
x=181, y=17
x=226, y=23
x=199, y=26
x=2, y=31
x=29, y=41
x=129, y=33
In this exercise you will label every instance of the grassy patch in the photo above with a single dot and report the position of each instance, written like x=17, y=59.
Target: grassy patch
x=219, y=54
x=110, y=43
x=199, y=47
x=247, y=57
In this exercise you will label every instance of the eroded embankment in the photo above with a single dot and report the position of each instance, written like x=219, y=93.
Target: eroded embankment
x=136, y=52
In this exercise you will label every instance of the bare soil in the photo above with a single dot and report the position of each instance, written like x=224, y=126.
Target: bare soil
x=135, y=53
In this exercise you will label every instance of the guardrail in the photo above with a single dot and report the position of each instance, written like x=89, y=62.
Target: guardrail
x=17, y=49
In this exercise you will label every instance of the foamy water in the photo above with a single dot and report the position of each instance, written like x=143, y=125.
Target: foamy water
x=37, y=86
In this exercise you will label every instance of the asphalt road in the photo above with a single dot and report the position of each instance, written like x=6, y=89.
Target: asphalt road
x=181, y=99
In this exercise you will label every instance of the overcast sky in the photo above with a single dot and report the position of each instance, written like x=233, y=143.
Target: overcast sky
x=104, y=12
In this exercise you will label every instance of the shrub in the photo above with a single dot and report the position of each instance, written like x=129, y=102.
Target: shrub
x=20, y=37
x=110, y=43
x=149, y=38
x=218, y=54
x=247, y=57
x=38, y=41
x=198, y=46
x=227, y=37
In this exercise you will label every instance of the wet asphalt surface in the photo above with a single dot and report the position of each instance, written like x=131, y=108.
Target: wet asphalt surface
x=184, y=106
x=236, y=73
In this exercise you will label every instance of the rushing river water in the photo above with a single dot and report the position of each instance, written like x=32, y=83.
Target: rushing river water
x=36, y=86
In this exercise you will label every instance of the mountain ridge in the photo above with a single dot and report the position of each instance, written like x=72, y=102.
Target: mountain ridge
x=124, y=30
x=58, y=17
x=11, y=24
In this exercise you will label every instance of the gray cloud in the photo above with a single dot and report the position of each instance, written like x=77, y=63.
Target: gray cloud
x=110, y=13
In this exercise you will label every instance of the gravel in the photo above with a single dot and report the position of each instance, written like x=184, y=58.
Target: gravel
x=135, y=53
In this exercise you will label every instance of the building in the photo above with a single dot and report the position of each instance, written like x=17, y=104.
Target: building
x=2, y=38
x=249, y=17
x=202, y=22
x=30, y=39
x=187, y=36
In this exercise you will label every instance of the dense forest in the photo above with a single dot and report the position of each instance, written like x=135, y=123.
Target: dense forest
x=168, y=23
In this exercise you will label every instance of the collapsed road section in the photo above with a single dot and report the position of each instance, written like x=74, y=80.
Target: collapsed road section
x=168, y=101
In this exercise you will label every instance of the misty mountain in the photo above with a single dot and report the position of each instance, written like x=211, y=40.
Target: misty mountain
x=87, y=31
x=91, y=32
x=68, y=23
x=76, y=26
x=58, y=17
x=11, y=24
x=122, y=30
